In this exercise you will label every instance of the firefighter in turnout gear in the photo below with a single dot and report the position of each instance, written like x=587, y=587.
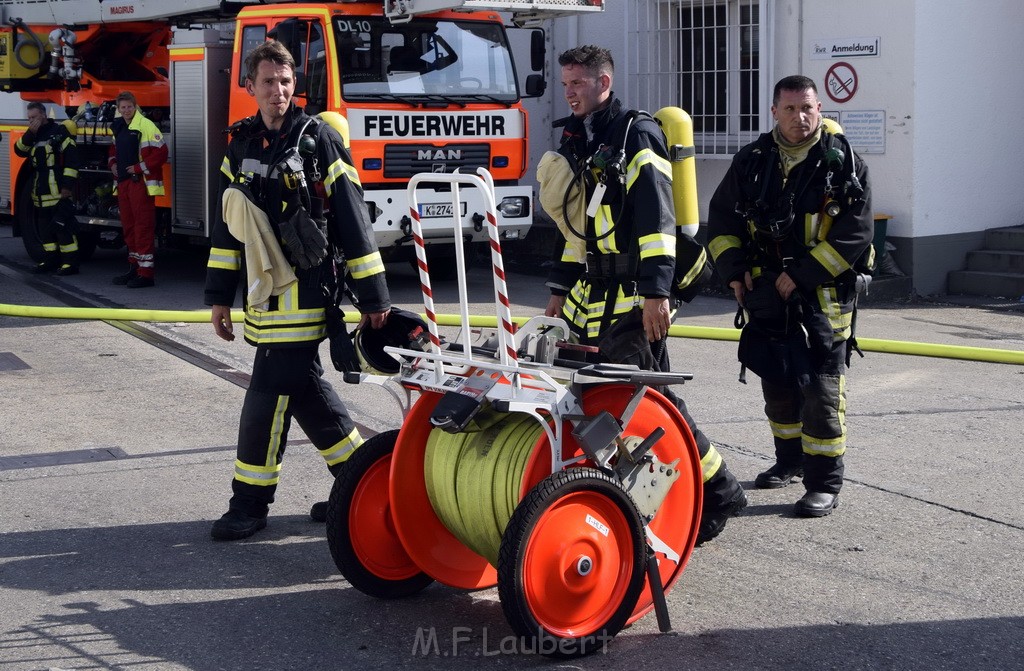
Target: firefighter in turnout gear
x=297, y=172
x=137, y=159
x=790, y=229
x=618, y=295
x=54, y=157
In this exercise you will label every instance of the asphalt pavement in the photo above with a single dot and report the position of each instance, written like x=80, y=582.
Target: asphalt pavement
x=116, y=452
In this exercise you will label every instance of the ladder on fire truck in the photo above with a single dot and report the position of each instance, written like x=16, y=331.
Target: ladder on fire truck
x=69, y=12
x=523, y=11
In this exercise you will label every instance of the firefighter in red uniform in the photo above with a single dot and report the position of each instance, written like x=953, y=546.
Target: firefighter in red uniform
x=55, y=164
x=281, y=164
x=137, y=158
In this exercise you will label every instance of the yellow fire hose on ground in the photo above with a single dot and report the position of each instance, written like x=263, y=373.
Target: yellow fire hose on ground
x=984, y=354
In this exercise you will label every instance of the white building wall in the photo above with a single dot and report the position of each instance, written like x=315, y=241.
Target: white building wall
x=949, y=80
x=969, y=89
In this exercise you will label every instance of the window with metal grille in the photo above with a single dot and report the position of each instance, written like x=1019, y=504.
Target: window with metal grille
x=706, y=57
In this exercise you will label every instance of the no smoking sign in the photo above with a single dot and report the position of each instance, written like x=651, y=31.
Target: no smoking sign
x=841, y=82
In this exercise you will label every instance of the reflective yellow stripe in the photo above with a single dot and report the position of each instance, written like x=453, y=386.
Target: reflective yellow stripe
x=71, y=173
x=67, y=249
x=261, y=476
x=710, y=463
x=225, y=259
x=657, y=244
x=786, y=431
x=364, y=266
x=569, y=255
x=695, y=271
x=830, y=259
x=826, y=447
x=602, y=225
x=343, y=449
x=721, y=243
x=225, y=167
x=335, y=171
x=646, y=157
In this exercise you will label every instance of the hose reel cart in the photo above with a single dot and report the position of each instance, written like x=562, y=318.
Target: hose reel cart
x=576, y=489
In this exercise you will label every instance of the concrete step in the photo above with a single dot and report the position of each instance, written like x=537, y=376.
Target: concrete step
x=993, y=260
x=1009, y=238
x=982, y=283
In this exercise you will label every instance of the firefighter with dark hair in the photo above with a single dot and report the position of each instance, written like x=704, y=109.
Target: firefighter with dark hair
x=54, y=157
x=790, y=229
x=292, y=205
x=614, y=277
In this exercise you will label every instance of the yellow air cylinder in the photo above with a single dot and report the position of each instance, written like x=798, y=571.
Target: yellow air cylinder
x=338, y=123
x=678, y=128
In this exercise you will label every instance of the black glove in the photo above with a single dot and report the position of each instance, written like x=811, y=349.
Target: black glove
x=303, y=237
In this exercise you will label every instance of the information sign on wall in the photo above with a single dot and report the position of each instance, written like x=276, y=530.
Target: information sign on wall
x=844, y=48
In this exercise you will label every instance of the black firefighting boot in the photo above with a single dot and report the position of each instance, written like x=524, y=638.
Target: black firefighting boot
x=318, y=512
x=723, y=498
x=124, y=278
x=823, y=478
x=235, y=525
x=789, y=465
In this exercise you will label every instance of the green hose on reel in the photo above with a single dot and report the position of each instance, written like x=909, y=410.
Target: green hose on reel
x=473, y=478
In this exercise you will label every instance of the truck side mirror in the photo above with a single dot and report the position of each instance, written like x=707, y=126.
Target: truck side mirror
x=535, y=86
x=537, y=50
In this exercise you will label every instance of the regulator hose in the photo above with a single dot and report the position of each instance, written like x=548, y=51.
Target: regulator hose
x=474, y=478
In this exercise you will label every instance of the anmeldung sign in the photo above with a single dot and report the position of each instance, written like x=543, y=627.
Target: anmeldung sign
x=841, y=82
x=847, y=47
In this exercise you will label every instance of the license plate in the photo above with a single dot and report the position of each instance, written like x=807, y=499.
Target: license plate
x=434, y=210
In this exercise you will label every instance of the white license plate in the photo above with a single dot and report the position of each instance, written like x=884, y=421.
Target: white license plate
x=434, y=210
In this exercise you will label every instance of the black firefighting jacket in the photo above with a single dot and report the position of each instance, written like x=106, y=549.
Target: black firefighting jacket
x=54, y=157
x=633, y=250
x=297, y=316
x=818, y=252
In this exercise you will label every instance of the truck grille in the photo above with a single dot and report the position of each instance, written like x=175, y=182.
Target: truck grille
x=403, y=161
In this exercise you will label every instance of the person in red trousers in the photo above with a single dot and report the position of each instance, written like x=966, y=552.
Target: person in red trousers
x=137, y=158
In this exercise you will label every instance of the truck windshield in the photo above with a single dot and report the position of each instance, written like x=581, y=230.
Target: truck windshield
x=424, y=59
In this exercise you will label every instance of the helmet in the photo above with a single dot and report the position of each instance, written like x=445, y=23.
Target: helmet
x=403, y=329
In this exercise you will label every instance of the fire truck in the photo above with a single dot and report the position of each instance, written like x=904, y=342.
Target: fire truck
x=425, y=86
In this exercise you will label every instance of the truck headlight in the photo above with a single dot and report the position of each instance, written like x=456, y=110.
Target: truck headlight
x=514, y=206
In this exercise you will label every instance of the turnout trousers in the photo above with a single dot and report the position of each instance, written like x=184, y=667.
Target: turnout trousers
x=138, y=221
x=809, y=423
x=286, y=383
x=59, y=242
x=625, y=343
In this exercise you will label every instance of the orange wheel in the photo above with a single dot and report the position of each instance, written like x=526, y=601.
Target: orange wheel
x=571, y=565
x=429, y=543
x=360, y=530
x=678, y=516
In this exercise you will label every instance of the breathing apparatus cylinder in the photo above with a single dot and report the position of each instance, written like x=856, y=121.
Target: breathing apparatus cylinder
x=338, y=123
x=678, y=128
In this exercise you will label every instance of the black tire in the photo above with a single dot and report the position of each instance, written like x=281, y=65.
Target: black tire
x=86, y=244
x=522, y=601
x=350, y=546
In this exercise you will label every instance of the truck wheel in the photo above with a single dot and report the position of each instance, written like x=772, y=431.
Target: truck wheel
x=360, y=531
x=571, y=564
x=86, y=244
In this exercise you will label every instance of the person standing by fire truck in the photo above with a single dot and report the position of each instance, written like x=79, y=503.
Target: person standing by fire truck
x=54, y=157
x=137, y=159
